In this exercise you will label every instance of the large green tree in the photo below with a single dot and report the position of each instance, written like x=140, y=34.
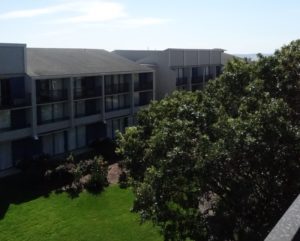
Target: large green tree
x=224, y=163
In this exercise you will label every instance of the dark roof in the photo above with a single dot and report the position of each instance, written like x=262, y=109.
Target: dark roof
x=59, y=62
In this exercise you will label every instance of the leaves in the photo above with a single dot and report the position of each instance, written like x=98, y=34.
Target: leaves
x=222, y=164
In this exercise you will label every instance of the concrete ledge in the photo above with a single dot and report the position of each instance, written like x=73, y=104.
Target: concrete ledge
x=288, y=227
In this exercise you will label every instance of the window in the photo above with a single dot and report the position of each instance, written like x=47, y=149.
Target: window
x=52, y=112
x=4, y=119
x=79, y=108
x=117, y=124
x=218, y=70
x=143, y=98
x=117, y=102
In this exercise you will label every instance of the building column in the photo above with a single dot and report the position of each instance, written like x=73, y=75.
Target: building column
x=189, y=80
x=154, y=85
x=103, y=99
x=34, y=109
x=71, y=101
x=131, y=91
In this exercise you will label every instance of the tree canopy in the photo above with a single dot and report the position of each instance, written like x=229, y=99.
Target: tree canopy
x=222, y=163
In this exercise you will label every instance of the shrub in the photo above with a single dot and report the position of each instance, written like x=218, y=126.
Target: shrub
x=123, y=180
x=90, y=174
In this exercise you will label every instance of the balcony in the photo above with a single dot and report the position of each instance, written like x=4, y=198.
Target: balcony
x=143, y=98
x=197, y=79
x=117, y=102
x=44, y=96
x=181, y=81
x=87, y=108
x=208, y=77
x=52, y=113
x=143, y=85
x=7, y=102
x=81, y=93
x=14, y=119
x=116, y=89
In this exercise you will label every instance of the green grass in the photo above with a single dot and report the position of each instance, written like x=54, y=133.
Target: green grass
x=88, y=217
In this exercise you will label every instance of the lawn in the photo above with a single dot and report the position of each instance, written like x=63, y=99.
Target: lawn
x=88, y=217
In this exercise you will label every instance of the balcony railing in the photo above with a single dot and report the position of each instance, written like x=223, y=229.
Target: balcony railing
x=208, y=77
x=288, y=227
x=41, y=121
x=115, y=89
x=181, y=81
x=197, y=79
x=44, y=96
x=7, y=102
x=80, y=93
x=144, y=98
x=143, y=85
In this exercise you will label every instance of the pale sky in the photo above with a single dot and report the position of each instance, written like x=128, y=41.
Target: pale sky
x=239, y=26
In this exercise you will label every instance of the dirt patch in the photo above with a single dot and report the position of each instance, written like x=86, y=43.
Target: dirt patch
x=114, y=172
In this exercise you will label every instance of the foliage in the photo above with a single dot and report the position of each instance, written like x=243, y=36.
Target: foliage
x=222, y=164
x=123, y=180
x=88, y=174
x=106, y=148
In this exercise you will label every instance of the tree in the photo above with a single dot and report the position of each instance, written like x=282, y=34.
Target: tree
x=222, y=164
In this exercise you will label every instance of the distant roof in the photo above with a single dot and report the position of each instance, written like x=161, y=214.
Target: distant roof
x=138, y=55
x=135, y=55
x=59, y=62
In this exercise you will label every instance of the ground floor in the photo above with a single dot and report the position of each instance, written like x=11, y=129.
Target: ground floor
x=59, y=141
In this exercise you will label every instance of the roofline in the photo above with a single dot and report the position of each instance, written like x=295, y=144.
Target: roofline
x=12, y=45
x=185, y=49
x=67, y=48
x=88, y=74
x=214, y=49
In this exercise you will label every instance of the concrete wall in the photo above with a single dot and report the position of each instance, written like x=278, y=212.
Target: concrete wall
x=165, y=76
x=194, y=57
x=12, y=59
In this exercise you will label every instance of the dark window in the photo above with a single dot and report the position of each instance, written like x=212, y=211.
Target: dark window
x=51, y=90
x=52, y=113
x=117, y=102
x=145, y=82
x=26, y=149
x=182, y=74
x=218, y=71
x=116, y=84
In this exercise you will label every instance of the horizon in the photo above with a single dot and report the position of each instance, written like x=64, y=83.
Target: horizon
x=130, y=24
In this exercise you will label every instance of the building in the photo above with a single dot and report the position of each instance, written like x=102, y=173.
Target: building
x=58, y=100
x=187, y=69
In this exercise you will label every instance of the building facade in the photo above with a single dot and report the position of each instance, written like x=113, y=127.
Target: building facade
x=176, y=69
x=54, y=101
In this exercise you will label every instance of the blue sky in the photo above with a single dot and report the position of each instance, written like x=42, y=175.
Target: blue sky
x=235, y=25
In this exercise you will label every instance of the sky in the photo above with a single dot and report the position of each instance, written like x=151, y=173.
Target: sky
x=238, y=26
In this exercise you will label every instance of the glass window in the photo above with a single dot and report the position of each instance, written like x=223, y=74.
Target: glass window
x=115, y=102
x=79, y=108
x=59, y=143
x=108, y=103
x=4, y=119
x=58, y=111
x=46, y=113
x=80, y=136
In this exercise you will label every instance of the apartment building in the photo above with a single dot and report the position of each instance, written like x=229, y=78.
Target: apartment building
x=187, y=69
x=58, y=100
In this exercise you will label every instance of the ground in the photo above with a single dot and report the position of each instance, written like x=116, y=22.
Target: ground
x=113, y=173
x=88, y=217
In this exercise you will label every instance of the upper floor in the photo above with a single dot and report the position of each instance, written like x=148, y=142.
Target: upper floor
x=62, y=88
